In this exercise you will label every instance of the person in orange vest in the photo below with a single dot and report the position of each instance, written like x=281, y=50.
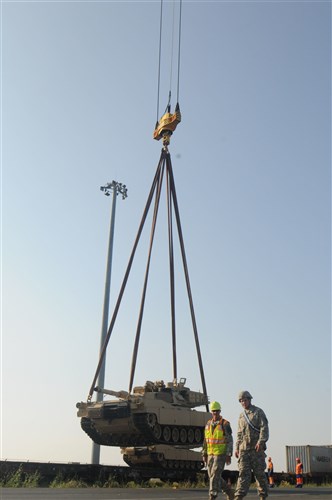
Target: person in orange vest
x=270, y=472
x=217, y=451
x=299, y=473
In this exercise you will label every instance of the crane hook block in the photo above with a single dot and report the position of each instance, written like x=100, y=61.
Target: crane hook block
x=166, y=125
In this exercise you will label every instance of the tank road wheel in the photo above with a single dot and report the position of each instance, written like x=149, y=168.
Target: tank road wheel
x=198, y=436
x=167, y=434
x=175, y=435
x=151, y=419
x=157, y=431
x=176, y=464
x=183, y=435
x=191, y=435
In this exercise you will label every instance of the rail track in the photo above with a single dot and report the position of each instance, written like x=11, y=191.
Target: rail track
x=91, y=473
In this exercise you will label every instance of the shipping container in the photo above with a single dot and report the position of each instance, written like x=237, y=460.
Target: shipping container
x=315, y=459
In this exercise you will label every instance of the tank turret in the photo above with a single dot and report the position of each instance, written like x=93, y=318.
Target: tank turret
x=156, y=413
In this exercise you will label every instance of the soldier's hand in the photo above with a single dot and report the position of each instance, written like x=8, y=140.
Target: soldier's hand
x=228, y=459
x=236, y=454
x=258, y=447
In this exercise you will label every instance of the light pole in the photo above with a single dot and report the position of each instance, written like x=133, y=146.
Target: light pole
x=116, y=188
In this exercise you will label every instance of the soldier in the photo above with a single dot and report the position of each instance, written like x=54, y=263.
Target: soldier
x=252, y=434
x=217, y=451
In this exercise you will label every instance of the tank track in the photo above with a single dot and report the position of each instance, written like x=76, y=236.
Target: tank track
x=149, y=431
x=147, y=424
x=109, y=439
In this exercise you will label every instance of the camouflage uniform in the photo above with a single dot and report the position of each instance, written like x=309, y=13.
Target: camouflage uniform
x=216, y=465
x=249, y=458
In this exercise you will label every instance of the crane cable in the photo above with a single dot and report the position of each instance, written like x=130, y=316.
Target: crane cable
x=171, y=63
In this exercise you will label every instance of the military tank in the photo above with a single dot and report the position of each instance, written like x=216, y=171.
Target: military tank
x=156, y=413
x=164, y=456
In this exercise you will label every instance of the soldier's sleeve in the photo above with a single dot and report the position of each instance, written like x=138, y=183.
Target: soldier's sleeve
x=264, y=428
x=204, y=449
x=229, y=438
x=239, y=435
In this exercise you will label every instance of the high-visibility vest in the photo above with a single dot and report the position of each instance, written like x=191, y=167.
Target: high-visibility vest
x=215, y=438
x=299, y=468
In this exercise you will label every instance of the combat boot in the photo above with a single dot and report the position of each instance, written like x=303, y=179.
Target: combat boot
x=229, y=492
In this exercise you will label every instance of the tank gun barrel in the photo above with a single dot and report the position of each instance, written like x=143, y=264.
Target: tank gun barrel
x=117, y=394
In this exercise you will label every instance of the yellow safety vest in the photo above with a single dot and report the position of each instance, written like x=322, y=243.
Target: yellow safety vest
x=215, y=438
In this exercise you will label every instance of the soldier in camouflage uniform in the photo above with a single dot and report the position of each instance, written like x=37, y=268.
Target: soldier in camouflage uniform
x=252, y=434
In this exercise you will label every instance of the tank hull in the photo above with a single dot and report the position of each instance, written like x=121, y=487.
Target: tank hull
x=166, y=457
x=150, y=417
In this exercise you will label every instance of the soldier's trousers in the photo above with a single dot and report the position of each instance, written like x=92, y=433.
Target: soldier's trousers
x=215, y=466
x=251, y=460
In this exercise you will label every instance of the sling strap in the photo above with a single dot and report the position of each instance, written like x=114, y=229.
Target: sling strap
x=251, y=425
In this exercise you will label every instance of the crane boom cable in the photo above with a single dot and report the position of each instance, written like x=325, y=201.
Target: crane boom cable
x=171, y=55
x=179, y=52
x=172, y=50
x=160, y=33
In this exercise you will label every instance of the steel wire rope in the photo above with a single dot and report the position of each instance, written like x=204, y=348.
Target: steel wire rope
x=172, y=55
x=160, y=33
x=179, y=51
x=171, y=61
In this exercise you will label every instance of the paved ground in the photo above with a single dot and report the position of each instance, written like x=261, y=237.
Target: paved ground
x=146, y=494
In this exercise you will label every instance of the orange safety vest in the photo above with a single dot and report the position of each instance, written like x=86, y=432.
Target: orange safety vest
x=299, y=468
x=215, y=438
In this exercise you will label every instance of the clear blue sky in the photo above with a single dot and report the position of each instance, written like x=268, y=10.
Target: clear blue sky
x=251, y=161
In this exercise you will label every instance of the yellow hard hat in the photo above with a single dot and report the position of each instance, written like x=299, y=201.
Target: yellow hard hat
x=215, y=406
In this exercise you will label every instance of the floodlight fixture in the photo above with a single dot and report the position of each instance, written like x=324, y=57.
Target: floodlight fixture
x=116, y=187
